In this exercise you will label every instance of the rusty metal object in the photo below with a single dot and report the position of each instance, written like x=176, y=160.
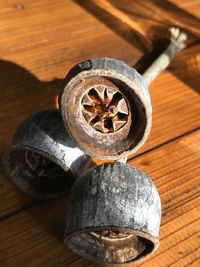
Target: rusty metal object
x=103, y=129
x=104, y=107
x=42, y=160
x=98, y=126
x=113, y=214
x=114, y=210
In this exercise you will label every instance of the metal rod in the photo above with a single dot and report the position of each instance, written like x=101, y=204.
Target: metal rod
x=177, y=43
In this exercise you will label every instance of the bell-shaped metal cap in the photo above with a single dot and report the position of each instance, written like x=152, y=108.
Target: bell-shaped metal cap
x=113, y=214
x=43, y=161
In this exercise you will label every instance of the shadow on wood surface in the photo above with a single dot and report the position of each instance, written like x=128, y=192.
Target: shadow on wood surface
x=116, y=25
x=133, y=37
x=17, y=87
x=155, y=17
x=187, y=70
x=51, y=216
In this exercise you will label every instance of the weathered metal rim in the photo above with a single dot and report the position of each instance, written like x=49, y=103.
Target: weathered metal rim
x=129, y=83
x=154, y=240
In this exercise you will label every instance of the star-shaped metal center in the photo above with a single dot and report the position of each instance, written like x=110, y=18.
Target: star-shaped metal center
x=105, y=109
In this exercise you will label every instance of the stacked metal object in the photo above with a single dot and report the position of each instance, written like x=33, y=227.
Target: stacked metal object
x=114, y=210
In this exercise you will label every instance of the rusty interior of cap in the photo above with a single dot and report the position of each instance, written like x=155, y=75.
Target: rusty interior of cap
x=112, y=246
x=42, y=167
x=105, y=109
x=104, y=116
x=33, y=172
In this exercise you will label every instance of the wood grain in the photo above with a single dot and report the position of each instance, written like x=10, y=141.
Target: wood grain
x=31, y=71
x=40, y=42
x=33, y=82
x=34, y=237
x=148, y=17
x=168, y=99
x=190, y=6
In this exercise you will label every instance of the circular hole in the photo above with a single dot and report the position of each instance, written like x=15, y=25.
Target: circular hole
x=37, y=175
x=92, y=130
x=111, y=246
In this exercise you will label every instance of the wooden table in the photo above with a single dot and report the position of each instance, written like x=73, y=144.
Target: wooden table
x=39, y=42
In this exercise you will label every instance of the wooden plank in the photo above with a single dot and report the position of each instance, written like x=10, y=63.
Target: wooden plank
x=175, y=103
x=149, y=17
x=26, y=81
x=118, y=13
x=192, y=6
x=30, y=84
x=190, y=260
x=36, y=58
x=45, y=40
x=35, y=23
x=186, y=67
x=170, y=13
x=34, y=237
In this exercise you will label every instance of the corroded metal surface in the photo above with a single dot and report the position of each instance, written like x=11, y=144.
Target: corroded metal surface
x=104, y=108
x=114, y=140
x=110, y=200
x=43, y=160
